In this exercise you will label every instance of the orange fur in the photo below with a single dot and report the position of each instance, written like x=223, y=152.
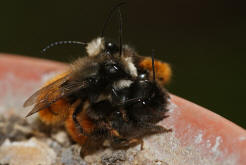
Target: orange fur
x=58, y=111
x=84, y=122
x=162, y=70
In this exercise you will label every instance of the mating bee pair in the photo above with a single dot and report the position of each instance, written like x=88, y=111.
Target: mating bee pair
x=112, y=94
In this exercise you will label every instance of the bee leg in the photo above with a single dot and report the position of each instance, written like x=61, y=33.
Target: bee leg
x=91, y=146
x=152, y=128
x=94, y=141
x=118, y=143
x=136, y=141
x=159, y=129
x=77, y=110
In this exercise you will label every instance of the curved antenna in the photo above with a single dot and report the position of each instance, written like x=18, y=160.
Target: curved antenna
x=62, y=43
x=121, y=31
x=153, y=64
x=110, y=16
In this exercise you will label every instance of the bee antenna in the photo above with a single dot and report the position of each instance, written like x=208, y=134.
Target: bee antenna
x=62, y=43
x=121, y=30
x=110, y=16
x=153, y=64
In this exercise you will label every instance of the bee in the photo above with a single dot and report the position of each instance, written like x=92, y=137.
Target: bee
x=111, y=94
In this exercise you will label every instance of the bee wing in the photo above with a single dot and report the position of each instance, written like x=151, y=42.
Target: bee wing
x=47, y=90
x=48, y=95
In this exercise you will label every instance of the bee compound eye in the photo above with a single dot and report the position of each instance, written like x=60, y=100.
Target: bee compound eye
x=111, y=48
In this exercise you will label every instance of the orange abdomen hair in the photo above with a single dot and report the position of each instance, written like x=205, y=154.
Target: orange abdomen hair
x=162, y=69
x=58, y=111
x=84, y=122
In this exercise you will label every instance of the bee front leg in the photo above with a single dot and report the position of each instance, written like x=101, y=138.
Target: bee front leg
x=158, y=129
x=76, y=112
x=91, y=146
x=149, y=128
x=124, y=143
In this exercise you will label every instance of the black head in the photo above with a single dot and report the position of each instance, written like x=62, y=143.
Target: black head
x=144, y=91
x=150, y=102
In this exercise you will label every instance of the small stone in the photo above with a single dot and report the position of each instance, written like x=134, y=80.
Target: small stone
x=14, y=128
x=62, y=138
x=115, y=158
x=158, y=162
x=54, y=145
x=71, y=156
x=31, y=152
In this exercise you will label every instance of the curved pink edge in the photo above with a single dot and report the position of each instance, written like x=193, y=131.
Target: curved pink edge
x=213, y=134
x=192, y=125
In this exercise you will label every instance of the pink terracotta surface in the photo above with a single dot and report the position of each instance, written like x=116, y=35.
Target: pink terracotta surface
x=194, y=127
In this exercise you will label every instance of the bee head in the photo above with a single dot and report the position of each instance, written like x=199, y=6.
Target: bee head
x=147, y=102
x=144, y=90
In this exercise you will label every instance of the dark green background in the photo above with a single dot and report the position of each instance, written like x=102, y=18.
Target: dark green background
x=204, y=41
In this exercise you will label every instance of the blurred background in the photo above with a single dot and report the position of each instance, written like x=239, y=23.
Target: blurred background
x=204, y=41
